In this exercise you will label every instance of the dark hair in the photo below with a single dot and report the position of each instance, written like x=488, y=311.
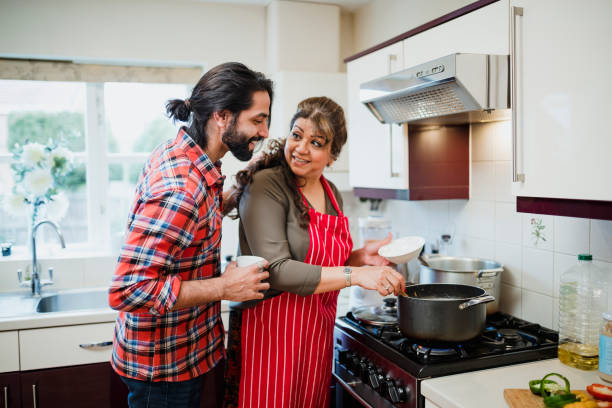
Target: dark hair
x=229, y=86
x=328, y=118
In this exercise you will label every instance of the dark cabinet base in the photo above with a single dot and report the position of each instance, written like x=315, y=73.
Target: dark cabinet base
x=85, y=386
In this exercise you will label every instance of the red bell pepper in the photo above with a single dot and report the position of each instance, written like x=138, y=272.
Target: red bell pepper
x=600, y=392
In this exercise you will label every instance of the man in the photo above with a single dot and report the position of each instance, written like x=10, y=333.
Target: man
x=168, y=340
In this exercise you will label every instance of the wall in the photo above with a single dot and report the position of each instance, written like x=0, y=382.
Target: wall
x=133, y=31
x=488, y=226
x=381, y=20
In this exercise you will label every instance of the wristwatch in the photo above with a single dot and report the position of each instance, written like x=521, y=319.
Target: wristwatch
x=347, y=275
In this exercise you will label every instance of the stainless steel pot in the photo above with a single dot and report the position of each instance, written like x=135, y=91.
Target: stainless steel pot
x=443, y=312
x=485, y=274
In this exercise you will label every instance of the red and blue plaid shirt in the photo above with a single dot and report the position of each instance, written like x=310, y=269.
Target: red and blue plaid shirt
x=174, y=234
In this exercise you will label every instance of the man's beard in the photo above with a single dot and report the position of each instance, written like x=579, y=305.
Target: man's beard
x=238, y=142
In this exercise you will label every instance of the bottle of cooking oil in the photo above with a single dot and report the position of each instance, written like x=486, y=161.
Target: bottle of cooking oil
x=583, y=297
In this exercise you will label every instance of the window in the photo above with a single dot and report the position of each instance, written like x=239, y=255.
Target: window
x=109, y=126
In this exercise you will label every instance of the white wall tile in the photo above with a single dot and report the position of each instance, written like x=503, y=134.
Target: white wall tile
x=511, y=256
x=555, y=313
x=99, y=271
x=571, y=235
x=601, y=240
x=474, y=247
x=511, y=300
x=503, y=139
x=483, y=142
x=482, y=186
x=538, y=270
x=562, y=262
x=481, y=219
x=537, y=308
x=508, y=223
x=503, y=182
x=529, y=227
x=458, y=213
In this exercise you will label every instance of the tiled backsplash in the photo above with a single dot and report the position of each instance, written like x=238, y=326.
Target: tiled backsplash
x=534, y=249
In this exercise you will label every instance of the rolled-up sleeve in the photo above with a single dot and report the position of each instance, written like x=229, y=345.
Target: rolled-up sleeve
x=161, y=227
x=264, y=207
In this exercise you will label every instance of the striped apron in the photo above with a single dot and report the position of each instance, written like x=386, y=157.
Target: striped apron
x=287, y=341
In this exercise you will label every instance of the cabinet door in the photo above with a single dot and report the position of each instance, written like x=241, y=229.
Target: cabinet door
x=91, y=385
x=483, y=31
x=563, y=99
x=10, y=391
x=377, y=152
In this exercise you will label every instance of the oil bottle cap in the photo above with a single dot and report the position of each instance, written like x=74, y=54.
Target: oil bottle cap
x=585, y=257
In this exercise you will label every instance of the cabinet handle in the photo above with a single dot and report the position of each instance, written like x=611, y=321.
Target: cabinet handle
x=392, y=174
x=5, y=397
x=93, y=346
x=34, y=395
x=516, y=11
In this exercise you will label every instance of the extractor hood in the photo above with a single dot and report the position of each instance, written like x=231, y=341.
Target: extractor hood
x=457, y=88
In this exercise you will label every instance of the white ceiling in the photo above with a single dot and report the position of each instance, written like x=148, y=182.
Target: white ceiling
x=350, y=5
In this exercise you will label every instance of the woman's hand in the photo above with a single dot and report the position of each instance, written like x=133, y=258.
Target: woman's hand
x=383, y=279
x=368, y=255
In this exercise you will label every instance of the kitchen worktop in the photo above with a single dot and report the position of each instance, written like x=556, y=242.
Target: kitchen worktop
x=485, y=388
x=18, y=314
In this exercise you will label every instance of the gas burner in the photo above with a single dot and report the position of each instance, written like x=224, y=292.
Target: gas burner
x=512, y=337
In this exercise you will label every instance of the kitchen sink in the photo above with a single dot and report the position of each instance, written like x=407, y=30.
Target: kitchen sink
x=74, y=301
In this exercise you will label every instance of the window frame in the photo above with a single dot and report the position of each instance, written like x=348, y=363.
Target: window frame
x=96, y=156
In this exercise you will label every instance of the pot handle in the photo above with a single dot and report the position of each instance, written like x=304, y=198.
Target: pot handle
x=490, y=273
x=476, y=301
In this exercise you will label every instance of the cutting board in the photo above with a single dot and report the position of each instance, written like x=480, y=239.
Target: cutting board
x=517, y=398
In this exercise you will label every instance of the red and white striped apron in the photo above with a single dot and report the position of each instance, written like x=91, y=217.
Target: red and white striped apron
x=287, y=341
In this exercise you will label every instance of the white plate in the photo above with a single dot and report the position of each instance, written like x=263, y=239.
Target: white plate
x=402, y=250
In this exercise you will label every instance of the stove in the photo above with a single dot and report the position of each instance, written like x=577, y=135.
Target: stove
x=377, y=366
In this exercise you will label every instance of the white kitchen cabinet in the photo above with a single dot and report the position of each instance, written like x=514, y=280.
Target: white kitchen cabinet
x=9, y=351
x=65, y=346
x=377, y=153
x=483, y=31
x=562, y=138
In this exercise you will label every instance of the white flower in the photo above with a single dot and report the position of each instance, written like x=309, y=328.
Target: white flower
x=57, y=206
x=32, y=154
x=60, y=157
x=38, y=181
x=15, y=204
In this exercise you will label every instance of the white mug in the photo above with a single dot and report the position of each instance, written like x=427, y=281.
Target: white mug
x=246, y=260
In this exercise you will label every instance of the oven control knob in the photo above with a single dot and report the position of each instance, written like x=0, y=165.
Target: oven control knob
x=354, y=363
x=363, y=369
x=402, y=392
x=373, y=380
x=343, y=356
x=391, y=394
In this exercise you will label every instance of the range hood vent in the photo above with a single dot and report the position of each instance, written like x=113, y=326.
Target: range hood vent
x=458, y=88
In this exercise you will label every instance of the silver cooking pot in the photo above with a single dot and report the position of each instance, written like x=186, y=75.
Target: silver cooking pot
x=485, y=274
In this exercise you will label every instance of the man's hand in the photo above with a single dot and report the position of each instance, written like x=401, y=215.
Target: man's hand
x=241, y=284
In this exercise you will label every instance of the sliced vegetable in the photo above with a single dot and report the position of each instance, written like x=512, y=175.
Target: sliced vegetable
x=559, y=400
x=550, y=387
x=583, y=395
x=582, y=404
x=600, y=391
x=604, y=404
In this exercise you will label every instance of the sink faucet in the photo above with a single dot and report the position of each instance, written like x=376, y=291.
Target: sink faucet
x=36, y=283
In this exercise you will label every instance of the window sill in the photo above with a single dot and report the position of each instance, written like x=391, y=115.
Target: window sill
x=53, y=252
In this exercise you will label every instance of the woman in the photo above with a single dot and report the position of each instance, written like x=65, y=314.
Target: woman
x=292, y=216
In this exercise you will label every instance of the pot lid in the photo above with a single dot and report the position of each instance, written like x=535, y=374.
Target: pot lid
x=378, y=315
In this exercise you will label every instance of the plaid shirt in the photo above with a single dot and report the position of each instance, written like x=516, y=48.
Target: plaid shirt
x=174, y=234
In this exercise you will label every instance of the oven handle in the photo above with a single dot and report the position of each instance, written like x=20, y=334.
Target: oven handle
x=350, y=390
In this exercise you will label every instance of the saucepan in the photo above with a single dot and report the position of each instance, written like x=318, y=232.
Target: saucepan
x=443, y=312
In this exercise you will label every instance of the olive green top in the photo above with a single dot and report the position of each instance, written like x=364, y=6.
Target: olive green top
x=270, y=227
